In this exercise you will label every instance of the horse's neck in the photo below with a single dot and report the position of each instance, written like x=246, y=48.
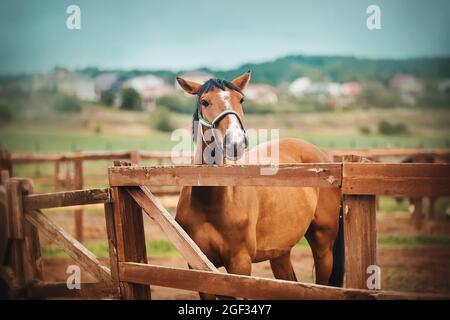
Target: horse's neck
x=207, y=196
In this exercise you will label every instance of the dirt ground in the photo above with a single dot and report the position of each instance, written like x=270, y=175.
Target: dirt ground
x=421, y=269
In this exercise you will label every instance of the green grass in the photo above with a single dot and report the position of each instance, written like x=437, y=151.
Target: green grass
x=412, y=241
x=162, y=247
x=156, y=247
x=389, y=204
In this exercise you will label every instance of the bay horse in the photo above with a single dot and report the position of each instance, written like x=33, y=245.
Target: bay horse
x=236, y=226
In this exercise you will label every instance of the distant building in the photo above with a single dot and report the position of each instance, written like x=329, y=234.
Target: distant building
x=106, y=81
x=407, y=86
x=338, y=94
x=197, y=76
x=79, y=85
x=66, y=82
x=300, y=86
x=149, y=88
x=261, y=93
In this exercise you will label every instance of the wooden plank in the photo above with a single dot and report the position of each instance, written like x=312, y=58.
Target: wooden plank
x=411, y=179
x=66, y=199
x=95, y=290
x=78, y=184
x=391, y=152
x=360, y=238
x=71, y=246
x=300, y=175
x=130, y=237
x=250, y=287
x=112, y=242
x=31, y=248
x=179, y=238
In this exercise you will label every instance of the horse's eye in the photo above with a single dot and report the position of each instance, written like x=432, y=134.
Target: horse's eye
x=242, y=101
x=205, y=103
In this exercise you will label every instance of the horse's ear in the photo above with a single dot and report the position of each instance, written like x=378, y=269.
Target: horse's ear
x=190, y=87
x=242, y=81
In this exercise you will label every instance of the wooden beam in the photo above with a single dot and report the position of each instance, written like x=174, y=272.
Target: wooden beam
x=360, y=238
x=390, y=152
x=410, y=179
x=95, y=290
x=179, y=238
x=130, y=237
x=250, y=287
x=112, y=242
x=299, y=175
x=78, y=184
x=66, y=199
x=71, y=246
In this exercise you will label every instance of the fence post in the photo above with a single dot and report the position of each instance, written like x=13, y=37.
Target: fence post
x=78, y=185
x=112, y=242
x=134, y=157
x=130, y=237
x=417, y=215
x=5, y=173
x=57, y=173
x=360, y=235
x=24, y=248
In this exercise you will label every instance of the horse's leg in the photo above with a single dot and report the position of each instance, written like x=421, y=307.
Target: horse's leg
x=282, y=267
x=240, y=263
x=204, y=296
x=321, y=242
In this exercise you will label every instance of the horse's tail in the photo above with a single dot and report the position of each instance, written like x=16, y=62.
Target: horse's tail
x=337, y=274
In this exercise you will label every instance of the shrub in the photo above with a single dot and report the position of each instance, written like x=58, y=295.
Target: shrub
x=131, y=100
x=67, y=104
x=6, y=113
x=365, y=130
x=387, y=128
x=107, y=97
x=161, y=120
x=177, y=103
x=377, y=95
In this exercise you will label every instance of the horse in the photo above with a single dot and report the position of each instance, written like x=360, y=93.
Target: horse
x=236, y=226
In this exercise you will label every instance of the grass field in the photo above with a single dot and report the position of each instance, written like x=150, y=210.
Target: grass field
x=98, y=128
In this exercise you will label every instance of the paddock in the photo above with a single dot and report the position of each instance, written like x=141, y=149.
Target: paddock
x=129, y=197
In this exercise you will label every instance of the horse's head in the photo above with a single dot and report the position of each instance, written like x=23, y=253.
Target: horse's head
x=219, y=107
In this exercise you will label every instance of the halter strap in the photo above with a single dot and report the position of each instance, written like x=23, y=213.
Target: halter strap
x=219, y=117
x=212, y=125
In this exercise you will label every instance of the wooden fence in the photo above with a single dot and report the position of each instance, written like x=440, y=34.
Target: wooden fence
x=129, y=195
x=75, y=177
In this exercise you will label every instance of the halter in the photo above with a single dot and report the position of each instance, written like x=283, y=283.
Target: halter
x=212, y=125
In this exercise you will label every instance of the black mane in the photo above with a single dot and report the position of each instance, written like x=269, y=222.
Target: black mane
x=221, y=84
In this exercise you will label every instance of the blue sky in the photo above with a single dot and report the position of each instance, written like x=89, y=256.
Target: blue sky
x=176, y=34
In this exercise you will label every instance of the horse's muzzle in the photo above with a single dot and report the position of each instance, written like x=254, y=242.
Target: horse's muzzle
x=235, y=144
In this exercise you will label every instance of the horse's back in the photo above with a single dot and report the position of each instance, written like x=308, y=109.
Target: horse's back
x=286, y=151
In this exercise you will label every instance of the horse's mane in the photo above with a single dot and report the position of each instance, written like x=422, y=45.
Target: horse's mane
x=206, y=87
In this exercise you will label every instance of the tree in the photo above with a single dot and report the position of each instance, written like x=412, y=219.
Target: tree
x=67, y=104
x=131, y=100
x=107, y=97
x=161, y=120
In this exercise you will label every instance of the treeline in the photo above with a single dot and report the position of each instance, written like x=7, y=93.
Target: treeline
x=318, y=68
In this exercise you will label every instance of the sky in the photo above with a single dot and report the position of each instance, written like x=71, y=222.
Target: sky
x=181, y=35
